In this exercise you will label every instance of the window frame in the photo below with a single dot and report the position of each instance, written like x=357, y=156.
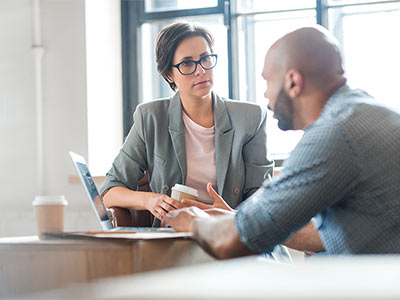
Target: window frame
x=133, y=15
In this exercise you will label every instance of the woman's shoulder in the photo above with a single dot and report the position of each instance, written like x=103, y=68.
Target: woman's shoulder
x=154, y=106
x=243, y=110
x=239, y=104
x=242, y=104
x=154, y=112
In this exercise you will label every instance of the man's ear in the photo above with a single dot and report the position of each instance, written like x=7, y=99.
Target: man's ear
x=293, y=83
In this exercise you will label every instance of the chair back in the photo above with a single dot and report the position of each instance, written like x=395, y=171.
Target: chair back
x=124, y=217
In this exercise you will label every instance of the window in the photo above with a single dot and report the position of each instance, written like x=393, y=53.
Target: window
x=255, y=6
x=168, y=5
x=244, y=30
x=256, y=34
x=368, y=37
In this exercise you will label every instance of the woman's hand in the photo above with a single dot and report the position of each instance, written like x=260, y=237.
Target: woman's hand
x=218, y=201
x=159, y=204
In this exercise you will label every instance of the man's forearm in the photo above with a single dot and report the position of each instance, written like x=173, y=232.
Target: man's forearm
x=219, y=237
x=306, y=239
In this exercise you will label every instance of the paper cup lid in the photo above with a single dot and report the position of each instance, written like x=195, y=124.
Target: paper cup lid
x=49, y=200
x=185, y=189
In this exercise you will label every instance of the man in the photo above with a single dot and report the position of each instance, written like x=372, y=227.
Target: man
x=344, y=174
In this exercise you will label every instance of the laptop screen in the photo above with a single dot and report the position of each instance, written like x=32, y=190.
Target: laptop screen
x=92, y=191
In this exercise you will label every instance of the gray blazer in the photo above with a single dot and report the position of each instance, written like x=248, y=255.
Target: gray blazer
x=156, y=142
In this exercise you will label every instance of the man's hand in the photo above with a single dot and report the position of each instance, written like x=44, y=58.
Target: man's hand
x=219, y=212
x=217, y=235
x=182, y=219
x=218, y=201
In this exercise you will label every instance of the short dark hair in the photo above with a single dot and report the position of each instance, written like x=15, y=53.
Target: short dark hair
x=169, y=39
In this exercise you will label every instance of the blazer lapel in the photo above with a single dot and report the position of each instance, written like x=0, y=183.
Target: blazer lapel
x=223, y=141
x=177, y=133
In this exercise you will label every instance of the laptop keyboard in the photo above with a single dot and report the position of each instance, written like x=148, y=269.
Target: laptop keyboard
x=144, y=229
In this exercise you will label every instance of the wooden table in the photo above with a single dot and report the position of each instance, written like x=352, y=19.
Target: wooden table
x=28, y=264
x=251, y=278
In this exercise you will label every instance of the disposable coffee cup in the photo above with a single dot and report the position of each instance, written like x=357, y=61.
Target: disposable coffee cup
x=49, y=213
x=180, y=192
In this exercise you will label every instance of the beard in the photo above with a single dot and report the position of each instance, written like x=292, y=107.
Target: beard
x=283, y=111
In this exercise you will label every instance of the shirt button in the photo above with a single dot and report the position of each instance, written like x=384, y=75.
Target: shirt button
x=236, y=191
x=165, y=188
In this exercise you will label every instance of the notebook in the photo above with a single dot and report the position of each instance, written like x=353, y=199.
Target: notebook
x=97, y=201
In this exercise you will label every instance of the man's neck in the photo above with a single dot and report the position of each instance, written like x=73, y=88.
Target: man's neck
x=313, y=102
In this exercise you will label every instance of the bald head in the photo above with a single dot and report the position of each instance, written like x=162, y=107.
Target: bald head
x=313, y=51
x=302, y=70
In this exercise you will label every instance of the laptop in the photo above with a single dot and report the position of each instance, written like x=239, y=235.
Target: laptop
x=96, y=200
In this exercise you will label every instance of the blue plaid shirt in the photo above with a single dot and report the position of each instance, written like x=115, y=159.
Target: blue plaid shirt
x=344, y=173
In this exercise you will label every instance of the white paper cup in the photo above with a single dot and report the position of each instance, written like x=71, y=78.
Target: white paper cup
x=49, y=213
x=180, y=192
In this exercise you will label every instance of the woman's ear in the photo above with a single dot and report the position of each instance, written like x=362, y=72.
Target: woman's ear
x=293, y=83
x=169, y=78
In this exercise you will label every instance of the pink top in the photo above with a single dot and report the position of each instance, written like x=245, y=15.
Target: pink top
x=200, y=157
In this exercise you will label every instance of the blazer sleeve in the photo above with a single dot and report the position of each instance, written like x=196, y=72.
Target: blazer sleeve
x=131, y=163
x=255, y=156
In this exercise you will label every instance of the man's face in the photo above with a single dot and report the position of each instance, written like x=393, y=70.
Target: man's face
x=283, y=110
x=279, y=101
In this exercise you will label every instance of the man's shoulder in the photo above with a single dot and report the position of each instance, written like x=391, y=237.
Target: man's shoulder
x=341, y=108
x=356, y=110
x=349, y=121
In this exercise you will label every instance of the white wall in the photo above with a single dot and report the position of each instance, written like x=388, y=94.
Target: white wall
x=64, y=111
x=104, y=82
x=17, y=124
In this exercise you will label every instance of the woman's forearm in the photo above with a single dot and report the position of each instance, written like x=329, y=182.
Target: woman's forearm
x=124, y=197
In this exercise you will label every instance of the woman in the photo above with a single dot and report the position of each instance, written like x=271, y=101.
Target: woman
x=193, y=138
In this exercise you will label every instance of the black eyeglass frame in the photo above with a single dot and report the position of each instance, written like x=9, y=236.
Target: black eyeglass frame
x=197, y=62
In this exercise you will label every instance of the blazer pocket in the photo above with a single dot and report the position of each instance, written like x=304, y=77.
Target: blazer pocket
x=255, y=174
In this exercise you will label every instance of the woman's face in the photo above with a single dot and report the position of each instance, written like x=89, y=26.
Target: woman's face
x=199, y=83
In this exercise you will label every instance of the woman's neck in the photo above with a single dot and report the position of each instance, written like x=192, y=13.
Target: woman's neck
x=199, y=109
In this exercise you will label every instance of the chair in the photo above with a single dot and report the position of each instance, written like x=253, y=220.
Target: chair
x=124, y=217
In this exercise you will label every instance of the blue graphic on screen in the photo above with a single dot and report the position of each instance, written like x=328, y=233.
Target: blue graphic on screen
x=92, y=189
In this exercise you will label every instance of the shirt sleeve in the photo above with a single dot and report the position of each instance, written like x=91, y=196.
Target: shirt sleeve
x=320, y=171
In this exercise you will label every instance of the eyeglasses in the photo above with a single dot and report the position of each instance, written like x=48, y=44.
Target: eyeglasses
x=188, y=67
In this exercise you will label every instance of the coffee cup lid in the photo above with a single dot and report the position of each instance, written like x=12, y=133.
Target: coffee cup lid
x=49, y=200
x=185, y=189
